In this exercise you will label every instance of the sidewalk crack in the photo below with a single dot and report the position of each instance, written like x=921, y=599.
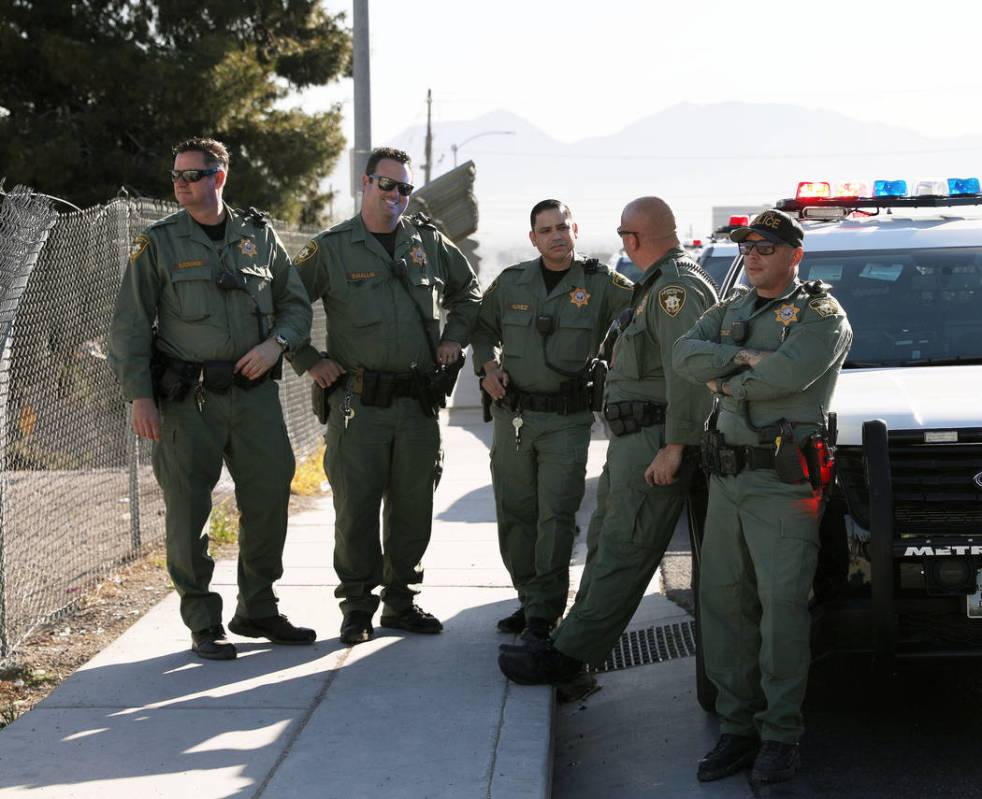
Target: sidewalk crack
x=328, y=682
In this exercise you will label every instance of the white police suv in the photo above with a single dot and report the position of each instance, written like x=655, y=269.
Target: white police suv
x=901, y=561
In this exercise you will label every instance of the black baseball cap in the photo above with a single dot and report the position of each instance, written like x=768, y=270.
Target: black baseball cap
x=774, y=226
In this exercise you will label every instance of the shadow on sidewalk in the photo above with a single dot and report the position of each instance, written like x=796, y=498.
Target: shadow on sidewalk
x=222, y=728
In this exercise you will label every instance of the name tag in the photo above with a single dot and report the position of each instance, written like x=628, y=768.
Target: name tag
x=518, y=306
x=361, y=275
x=190, y=264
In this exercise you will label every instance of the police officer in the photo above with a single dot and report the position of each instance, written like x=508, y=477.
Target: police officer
x=772, y=355
x=547, y=318
x=383, y=279
x=226, y=303
x=656, y=420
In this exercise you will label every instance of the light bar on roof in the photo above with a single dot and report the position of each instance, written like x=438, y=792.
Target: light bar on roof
x=739, y=219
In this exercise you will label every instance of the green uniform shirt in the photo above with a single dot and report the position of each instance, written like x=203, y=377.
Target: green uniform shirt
x=667, y=302
x=582, y=305
x=171, y=279
x=371, y=321
x=808, y=335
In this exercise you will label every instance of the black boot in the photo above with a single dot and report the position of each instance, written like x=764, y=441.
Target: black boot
x=356, y=627
x=212, y=644
x=777, y=762
x=277, y=629
x=537, y=629
x=731, y=754
x=514, y=623
x=542, y=665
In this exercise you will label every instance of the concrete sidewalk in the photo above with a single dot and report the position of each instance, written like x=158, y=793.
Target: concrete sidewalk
x=401, y=716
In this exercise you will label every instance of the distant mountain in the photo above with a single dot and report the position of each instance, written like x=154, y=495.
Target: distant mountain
x=694, y=155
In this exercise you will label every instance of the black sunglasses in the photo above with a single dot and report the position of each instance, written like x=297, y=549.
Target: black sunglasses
x=192, y=175
x=763, y=247
x=388, y=184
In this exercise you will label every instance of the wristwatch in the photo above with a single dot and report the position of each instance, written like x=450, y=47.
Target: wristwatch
x=284, y=344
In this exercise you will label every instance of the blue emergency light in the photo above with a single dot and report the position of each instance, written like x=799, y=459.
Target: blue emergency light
x=960, y=186
x=890, y=188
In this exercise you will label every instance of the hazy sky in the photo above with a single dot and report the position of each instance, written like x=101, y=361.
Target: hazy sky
x=580, y=68
x=577, y=69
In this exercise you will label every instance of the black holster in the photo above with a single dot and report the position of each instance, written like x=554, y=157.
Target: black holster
x=789, y=460
x=596, y=384
x=172, y=379
x=319, y=397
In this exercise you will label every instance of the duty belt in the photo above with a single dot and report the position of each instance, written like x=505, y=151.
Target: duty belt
x=380, y=388
x=217, y=376
x=630, y=416
x=733, y=460
x=564, y=403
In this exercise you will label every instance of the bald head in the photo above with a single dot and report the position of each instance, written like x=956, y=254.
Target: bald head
x=652, y=224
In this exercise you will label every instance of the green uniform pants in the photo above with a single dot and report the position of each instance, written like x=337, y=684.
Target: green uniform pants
x=759, y=555
x=245, y=430
x=538, y=487
x=391, y=454
x=629, y=532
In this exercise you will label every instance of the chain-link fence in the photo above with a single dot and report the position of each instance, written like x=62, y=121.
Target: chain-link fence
x=77, y=493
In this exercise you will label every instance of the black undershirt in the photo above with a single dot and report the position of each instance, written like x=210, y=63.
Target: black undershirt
x=760, y=302
x=214, y=232
x=551, y=277
x=388, y=241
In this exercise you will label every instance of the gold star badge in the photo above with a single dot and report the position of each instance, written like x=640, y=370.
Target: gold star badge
x=672, y=300
x=786, y=314
x=579, y=297
x=248, y=247
x=418, y=256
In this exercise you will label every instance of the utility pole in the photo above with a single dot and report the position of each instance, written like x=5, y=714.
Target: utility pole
x=428, y=166
x=363, y=97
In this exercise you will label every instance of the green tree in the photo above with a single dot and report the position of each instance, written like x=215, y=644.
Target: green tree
x=94, y=93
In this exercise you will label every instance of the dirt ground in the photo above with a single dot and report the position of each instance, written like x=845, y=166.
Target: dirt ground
x=57, y=649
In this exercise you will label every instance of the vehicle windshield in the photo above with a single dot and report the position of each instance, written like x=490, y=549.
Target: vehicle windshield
x=717, y=266
x=906, y=307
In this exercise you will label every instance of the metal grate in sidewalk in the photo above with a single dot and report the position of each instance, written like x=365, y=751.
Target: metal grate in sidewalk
x=651, y=645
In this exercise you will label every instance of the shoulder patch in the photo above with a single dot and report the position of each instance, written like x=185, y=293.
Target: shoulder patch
x=620, y=281
x=139, y=245
x=309, y=251
x=671, y=300
x=825, y=307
